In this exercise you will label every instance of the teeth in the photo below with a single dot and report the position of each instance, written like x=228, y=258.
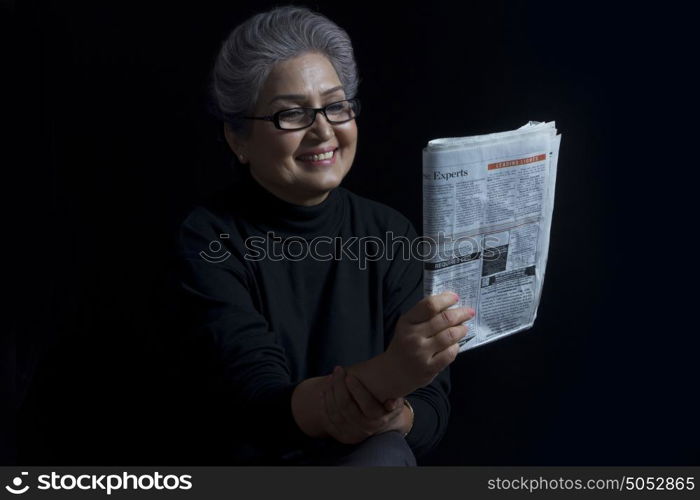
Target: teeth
x=324, y=156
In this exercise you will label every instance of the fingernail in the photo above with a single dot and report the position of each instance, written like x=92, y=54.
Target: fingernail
x=472, y=311
x=456, y=297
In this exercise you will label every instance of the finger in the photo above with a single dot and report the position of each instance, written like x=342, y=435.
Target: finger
x=331, y=412
x=340, y=392
x=346, y=404
x=447, y=337
x=335, y=430
x=443, y=358
x=333, y=408
x=367, y=403
x=346, y=427
x=448, y=318
x=430, y=306
x=391, y=405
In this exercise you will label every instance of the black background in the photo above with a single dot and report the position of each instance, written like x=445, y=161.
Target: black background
x=115, y=146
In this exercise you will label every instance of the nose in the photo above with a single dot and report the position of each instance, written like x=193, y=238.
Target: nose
x=321, y=127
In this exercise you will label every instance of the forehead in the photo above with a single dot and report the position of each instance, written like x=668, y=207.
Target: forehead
x=307, y=74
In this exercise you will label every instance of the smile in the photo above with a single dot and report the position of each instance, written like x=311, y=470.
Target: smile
x=329, y=155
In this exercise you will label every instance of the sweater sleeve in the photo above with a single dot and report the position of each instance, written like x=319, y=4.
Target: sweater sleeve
x=221, y=311
x=403, y=288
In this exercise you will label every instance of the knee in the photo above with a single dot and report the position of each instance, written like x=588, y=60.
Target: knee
x=388, y=449
x=396, y=450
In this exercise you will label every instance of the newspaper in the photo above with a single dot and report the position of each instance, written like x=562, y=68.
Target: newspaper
x=487, y=212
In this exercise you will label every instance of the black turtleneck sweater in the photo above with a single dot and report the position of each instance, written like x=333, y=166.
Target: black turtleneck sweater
x=272, y=322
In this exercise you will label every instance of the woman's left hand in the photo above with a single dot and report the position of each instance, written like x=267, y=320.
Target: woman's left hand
x=353, y=414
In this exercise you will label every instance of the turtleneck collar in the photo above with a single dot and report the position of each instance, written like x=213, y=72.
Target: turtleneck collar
x=270, y=213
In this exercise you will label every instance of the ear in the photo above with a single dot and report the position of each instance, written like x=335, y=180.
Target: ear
x=236, y=143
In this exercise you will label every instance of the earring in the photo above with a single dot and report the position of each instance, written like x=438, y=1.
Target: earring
x=241, y=158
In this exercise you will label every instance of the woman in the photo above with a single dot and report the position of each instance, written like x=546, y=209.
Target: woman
x=325, y=358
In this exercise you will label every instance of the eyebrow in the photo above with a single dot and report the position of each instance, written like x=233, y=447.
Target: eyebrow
x=298, y=97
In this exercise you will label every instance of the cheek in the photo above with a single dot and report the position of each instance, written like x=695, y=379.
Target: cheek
x=286, y=145
x=275, y=149
x=347, y=136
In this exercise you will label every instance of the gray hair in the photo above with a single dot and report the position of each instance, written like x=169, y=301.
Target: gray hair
x=255, y=46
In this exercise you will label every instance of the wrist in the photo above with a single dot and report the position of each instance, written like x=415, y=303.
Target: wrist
x=390, y=369
x=378, y=375
x=403, y=422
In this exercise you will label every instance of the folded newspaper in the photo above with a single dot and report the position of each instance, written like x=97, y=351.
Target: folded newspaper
x=487, y=212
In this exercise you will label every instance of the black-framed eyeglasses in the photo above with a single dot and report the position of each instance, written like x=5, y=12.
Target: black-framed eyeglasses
x=298, y=118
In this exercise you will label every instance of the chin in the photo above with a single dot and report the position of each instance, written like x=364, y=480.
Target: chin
x=325, y=181
x=321, y=189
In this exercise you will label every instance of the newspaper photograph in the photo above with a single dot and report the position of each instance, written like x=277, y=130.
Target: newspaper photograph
x=487, y=211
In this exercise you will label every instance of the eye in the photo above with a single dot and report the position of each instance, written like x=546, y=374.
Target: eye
x=291, y=115
x=337, y=107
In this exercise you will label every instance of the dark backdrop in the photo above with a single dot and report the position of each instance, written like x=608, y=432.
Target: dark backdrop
x=116, y=146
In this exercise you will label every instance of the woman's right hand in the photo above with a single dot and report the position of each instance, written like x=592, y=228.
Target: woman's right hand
x=353, y=414
x=426, y=339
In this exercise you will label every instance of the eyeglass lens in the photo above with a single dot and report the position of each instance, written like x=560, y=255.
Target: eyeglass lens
x=337, y=112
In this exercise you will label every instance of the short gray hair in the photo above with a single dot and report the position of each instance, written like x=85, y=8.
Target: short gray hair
x=255, y=46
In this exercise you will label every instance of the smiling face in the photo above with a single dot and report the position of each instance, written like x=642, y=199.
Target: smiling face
x=280, y=159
